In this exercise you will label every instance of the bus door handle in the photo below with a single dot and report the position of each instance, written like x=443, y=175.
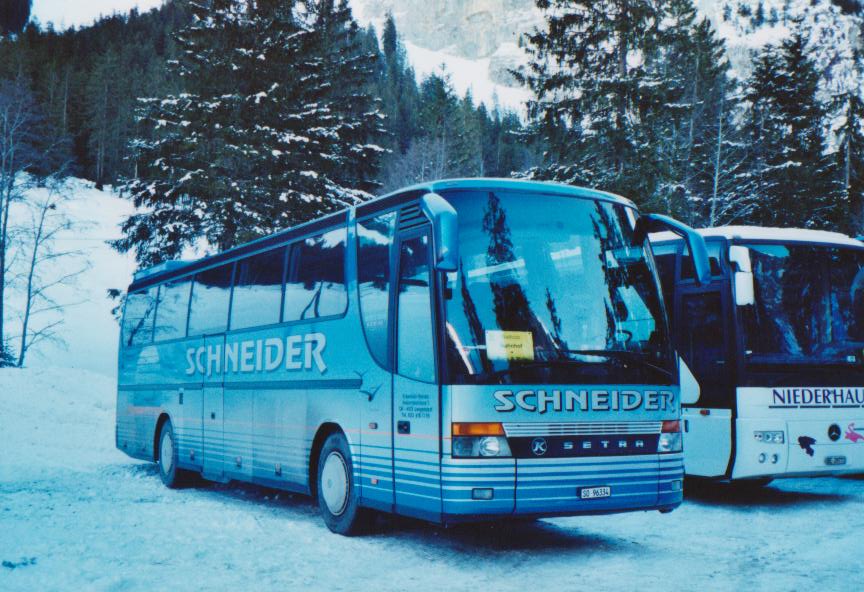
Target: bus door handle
x=403, y=427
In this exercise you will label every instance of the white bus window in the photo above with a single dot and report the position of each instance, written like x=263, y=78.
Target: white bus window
x=258, y=290
x=316, y=278
x=211, y=295
x=172, y=310
x=375, y=236
x=415, y=351
x=138, y=318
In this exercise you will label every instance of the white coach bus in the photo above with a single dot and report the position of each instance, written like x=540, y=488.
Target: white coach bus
x=776, y=341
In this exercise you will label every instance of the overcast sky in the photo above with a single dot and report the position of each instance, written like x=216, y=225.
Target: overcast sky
x=68, y=13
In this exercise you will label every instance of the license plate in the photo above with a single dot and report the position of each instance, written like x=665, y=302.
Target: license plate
x=594, y=492
x=832, y=461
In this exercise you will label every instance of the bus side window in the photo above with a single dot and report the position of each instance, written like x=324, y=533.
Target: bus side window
x=258, y=290
x=138, y=318
x=415, y=343
x=211, y=296
x=316, y=277
x=375, y=237
x=702, y=345
x=172, y=310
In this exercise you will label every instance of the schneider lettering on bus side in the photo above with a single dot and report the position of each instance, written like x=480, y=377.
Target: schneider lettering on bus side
x=541, y=401
x=295, y=352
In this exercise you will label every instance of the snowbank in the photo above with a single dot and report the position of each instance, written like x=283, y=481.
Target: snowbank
x=89, y=333
x=75, y=514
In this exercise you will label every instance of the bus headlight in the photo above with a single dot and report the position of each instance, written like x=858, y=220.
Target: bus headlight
x=477, y=446
x=670, y=437
x=773, y=437
x=473, y=440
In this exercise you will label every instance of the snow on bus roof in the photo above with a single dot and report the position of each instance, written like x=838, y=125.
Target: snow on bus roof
x=765, y=233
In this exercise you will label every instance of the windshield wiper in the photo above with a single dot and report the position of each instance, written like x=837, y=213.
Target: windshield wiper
x=620, y=354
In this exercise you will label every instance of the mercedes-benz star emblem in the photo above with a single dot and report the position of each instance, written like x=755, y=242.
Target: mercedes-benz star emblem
x=834, y=432
x=539, y=446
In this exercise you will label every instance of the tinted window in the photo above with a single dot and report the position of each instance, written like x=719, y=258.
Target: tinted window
x=138, y=318
x=415, y=351
x=702, y=345
x=258, y=290
x=316, y=278
x=172, y=310
x=211, y=295
x=375, y=236
x=666, y=269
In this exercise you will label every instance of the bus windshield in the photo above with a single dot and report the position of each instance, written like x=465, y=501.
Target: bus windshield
x=552, y=289
x=809, y=305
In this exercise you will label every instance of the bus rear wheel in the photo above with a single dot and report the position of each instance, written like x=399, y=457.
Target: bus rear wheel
x=171, y=475
x=337, y=496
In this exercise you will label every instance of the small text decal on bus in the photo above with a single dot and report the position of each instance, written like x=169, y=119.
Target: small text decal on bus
x=295, y=352
x=542, y=401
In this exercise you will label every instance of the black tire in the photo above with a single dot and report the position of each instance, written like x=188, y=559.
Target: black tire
x=166, y=459
x=340, y=508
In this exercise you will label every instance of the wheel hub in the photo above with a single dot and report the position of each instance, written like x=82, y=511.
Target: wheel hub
x=166, y=452
x=334, y=483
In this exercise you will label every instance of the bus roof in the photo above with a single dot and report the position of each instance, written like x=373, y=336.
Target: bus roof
x=168, y=270
x=767, y=234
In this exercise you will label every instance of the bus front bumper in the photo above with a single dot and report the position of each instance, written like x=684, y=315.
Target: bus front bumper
x=478, y=488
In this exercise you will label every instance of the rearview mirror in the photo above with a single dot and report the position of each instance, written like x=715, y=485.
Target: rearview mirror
x=745, y=290
x=695, y=243
x=445, y=231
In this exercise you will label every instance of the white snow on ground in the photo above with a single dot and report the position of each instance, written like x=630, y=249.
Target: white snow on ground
x=89, y=333
x=75, y=514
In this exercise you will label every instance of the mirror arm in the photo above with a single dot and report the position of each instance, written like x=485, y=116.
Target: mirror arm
x=648, y=223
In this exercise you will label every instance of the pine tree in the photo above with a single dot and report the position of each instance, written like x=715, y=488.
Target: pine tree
x=592, y=83
x=276, y=126
x=789, y=172
x=850, y=163
x=693, y=129
x=14, y=15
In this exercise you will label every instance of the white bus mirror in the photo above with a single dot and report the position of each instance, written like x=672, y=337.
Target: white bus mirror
x=690, y=389
x=745, y=290
x=445, y=231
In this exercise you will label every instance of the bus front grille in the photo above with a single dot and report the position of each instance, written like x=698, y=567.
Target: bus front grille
x=582, y=428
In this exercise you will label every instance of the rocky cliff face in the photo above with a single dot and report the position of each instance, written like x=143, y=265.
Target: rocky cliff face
x=489, y=30
x=470, y=28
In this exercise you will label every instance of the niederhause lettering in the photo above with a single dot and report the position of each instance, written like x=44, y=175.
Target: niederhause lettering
x=817, y=396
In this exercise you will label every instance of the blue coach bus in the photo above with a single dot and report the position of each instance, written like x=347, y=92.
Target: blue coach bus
x=459, y=350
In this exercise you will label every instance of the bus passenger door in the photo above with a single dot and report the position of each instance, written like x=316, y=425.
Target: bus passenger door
x=701, y=325
x=213, y=407
x=416, y=393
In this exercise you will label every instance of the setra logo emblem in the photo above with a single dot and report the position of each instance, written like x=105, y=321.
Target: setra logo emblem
x=539, y=446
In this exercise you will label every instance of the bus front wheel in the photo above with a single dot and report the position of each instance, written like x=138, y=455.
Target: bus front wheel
x=172, y=476
x=337, y=496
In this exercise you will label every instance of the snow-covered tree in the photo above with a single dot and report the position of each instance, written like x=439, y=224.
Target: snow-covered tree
x=850, y=162
x=592, y=88
x=276, y=126
x=788, y=169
